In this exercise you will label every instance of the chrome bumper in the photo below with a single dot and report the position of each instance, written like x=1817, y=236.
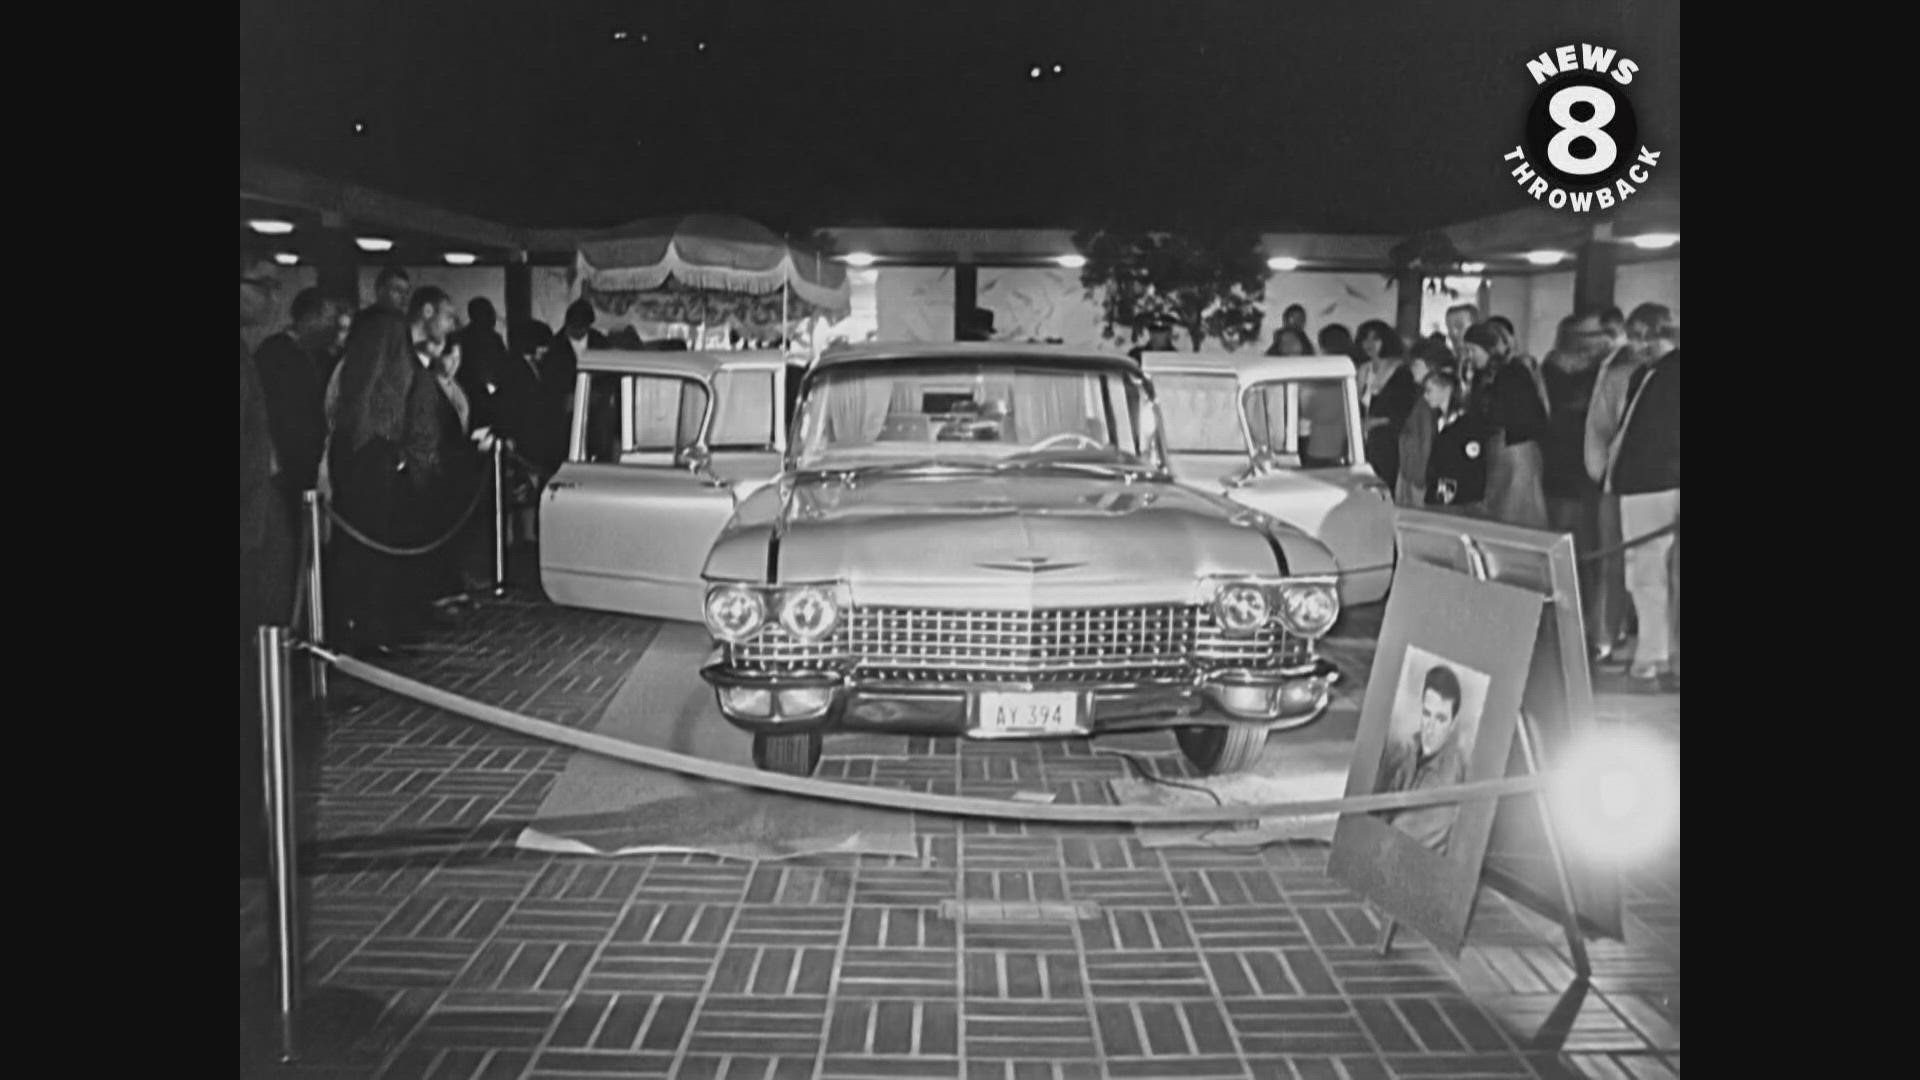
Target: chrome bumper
x=838, y=701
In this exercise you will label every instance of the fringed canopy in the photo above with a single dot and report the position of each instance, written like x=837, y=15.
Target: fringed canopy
x=704, y=253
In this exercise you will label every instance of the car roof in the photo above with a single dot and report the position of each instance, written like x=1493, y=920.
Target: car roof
x=1249, y=369
x=964, y=350
x=696, y=365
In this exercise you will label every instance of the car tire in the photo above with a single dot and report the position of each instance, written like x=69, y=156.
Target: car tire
x=1217, y=750
x=794, y=755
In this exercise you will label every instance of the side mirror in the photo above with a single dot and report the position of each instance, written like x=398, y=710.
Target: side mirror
x=694, y=459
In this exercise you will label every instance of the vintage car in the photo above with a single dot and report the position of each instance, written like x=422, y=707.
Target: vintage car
x=1282, y=435
x=984, y=540
x=664, y=449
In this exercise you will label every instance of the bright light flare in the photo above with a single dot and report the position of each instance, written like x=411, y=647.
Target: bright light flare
x=859, y=258
x=1545, y=257
x=1071, y=262
x=1616, y=796
x=1655, y=241
x=1283, y=262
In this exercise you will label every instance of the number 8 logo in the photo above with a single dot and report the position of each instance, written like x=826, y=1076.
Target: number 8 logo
x=1560, y=147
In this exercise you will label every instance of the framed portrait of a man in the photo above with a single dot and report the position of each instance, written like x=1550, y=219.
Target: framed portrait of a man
x=1442, y=704
x=1436, y=716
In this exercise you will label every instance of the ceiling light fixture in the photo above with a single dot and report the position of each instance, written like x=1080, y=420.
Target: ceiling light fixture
x=1473, y=268
x=270, y=227
x=1544, y=257
x=859, y=258
x=373, y=243
x=1656, y=241
x=1283, y=262
x=1071, y=262
x=459, y=258
x=286, y=258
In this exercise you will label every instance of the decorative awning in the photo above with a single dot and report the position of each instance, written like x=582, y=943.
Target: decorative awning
x=708, y=253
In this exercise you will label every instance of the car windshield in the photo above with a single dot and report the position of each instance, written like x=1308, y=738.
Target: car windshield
x=986, y=414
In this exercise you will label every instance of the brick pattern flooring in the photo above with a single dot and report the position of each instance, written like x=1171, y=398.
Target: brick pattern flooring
x=483, y=961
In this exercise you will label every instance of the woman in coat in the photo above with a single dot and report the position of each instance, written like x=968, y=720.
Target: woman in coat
x=1387, y=394
x=1509, y=401
x=1416, y=435
x=383, y=459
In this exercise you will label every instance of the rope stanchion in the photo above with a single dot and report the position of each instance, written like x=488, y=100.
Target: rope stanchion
x=276, y=718
x=423, y=549
x=950, y=805
x=314, y=595
x=1591, y=556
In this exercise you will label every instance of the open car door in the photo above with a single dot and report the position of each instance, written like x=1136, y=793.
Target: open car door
x=627, y=522
x=1314, y=477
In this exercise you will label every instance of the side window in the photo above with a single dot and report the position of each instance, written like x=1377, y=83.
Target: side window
x=1301, y=422
x=744, y=418
x=641, y=419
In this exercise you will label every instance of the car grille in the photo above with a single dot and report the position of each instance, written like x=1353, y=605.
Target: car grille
x=1111, y=644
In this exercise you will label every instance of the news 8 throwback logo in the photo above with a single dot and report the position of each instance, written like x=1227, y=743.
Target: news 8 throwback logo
x=1581, y=150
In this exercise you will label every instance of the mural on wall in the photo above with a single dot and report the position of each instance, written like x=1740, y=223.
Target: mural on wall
x=1347, y=299
x=916, y=303
x=1041, y=305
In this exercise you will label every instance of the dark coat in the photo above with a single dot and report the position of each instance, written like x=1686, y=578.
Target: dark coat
x=1392, y=404
x=1649, y=457
x=1570, y=393
x=483, y=368
x=1457, y=462
x=290, y=379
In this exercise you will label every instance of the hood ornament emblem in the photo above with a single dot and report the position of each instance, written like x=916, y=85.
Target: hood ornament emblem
x=1029, y=564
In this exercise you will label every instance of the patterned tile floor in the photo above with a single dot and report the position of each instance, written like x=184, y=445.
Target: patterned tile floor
x=436, y=949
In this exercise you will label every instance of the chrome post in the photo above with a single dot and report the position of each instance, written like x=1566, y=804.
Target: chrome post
x=276, y=716
x=499, y=522
x=316, y=607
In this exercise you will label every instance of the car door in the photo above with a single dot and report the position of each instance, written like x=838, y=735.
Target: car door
x=625, y=524
x=747, y=439
x=1317, y=479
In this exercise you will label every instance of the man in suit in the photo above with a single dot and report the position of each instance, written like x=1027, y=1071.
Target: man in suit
x=391, y=290
x=1432, y=758
x=558, y=365
x=1605, y=412
x=483, y=363
x=293, y=367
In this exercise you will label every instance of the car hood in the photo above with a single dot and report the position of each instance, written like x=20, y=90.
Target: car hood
x=1060, y=540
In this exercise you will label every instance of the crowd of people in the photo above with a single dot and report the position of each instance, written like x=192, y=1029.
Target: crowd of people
x=391, y=411
x=1586, y=442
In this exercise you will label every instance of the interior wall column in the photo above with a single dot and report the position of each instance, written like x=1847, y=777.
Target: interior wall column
x=966, y=295
x=1594, y=271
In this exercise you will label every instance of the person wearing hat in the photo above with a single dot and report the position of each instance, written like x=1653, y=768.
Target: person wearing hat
x=976, y=325
x=1508, y=401
x=1159, y=337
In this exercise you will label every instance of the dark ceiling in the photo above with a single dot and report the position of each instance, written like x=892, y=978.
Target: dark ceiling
x=1320, y=115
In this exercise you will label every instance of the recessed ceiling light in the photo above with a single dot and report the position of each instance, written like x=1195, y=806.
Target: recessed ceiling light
x=1071, y=262
x=1473, y=267
x=859, y=258
x=374, y=243
x=286, y=258
x=1056, y=69
x=1545, y=257
x=1656, y=241
x=1033, y=73
x=359, y=127
x=459, y=258
x=619, y=35
x=270, y=227
x=1283, y=262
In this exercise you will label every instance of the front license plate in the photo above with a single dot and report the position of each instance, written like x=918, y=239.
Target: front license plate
x=1029, y=714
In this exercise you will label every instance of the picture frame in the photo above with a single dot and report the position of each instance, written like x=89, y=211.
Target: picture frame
x=1422, y=867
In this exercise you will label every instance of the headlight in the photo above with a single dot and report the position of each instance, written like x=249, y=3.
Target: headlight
x=809, y=613
x=1241, y=609
x=1309, y=608
x=734, y=613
